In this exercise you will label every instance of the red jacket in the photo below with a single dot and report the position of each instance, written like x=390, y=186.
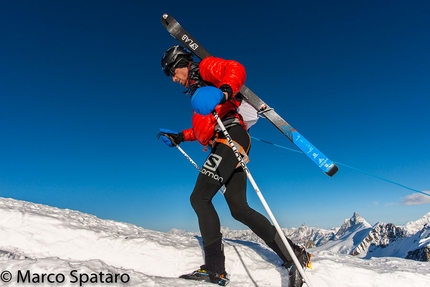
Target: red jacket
x=218, y=72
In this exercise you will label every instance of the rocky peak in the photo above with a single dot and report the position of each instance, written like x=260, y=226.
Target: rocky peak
x=351, y=224
x=413, y=227
x=381, y=235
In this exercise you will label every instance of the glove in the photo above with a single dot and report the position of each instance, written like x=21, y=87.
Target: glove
x=205, y=99
x=171, y=138
x=227, y=89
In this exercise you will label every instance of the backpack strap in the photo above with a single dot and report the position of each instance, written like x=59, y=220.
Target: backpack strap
x=240, y=149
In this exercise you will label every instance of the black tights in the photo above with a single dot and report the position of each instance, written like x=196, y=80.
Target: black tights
x=220, y=168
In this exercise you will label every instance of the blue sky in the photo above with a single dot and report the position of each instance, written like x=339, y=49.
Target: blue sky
x=83, y=95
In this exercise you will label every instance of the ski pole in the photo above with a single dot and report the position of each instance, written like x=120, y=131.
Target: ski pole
x=188, y=157
x=223, y=189
x=263, y=201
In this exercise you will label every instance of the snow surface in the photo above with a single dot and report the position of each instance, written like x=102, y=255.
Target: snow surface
x=37, y=239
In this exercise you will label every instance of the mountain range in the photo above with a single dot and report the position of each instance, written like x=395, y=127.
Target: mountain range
x=359, y=238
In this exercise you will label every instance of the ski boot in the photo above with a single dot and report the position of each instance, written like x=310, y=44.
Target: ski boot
x=294, y=277
x=203, y=274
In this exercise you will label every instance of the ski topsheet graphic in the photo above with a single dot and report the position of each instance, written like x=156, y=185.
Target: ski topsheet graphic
x=322, y=161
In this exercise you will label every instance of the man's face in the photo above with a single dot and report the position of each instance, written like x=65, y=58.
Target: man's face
x=180, y=76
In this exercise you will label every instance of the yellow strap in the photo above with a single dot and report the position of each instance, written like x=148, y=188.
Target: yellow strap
x=241, y=150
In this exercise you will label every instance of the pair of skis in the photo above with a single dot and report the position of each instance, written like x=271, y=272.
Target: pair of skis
x=322, y=161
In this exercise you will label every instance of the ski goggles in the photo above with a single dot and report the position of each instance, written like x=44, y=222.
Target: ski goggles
x=170, y=69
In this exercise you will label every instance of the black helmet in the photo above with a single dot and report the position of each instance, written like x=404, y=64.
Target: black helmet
x=172, y=57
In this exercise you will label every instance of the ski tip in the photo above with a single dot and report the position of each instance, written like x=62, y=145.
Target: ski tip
x=164, y=19
x=332, y=171
x=169, y=22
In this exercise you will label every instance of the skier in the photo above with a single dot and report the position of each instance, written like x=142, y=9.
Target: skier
x=213, y=85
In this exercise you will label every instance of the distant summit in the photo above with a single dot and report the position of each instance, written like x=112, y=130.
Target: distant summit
x=357, y=237
x=415, y=226
x=381, y=235
x=352, y=225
